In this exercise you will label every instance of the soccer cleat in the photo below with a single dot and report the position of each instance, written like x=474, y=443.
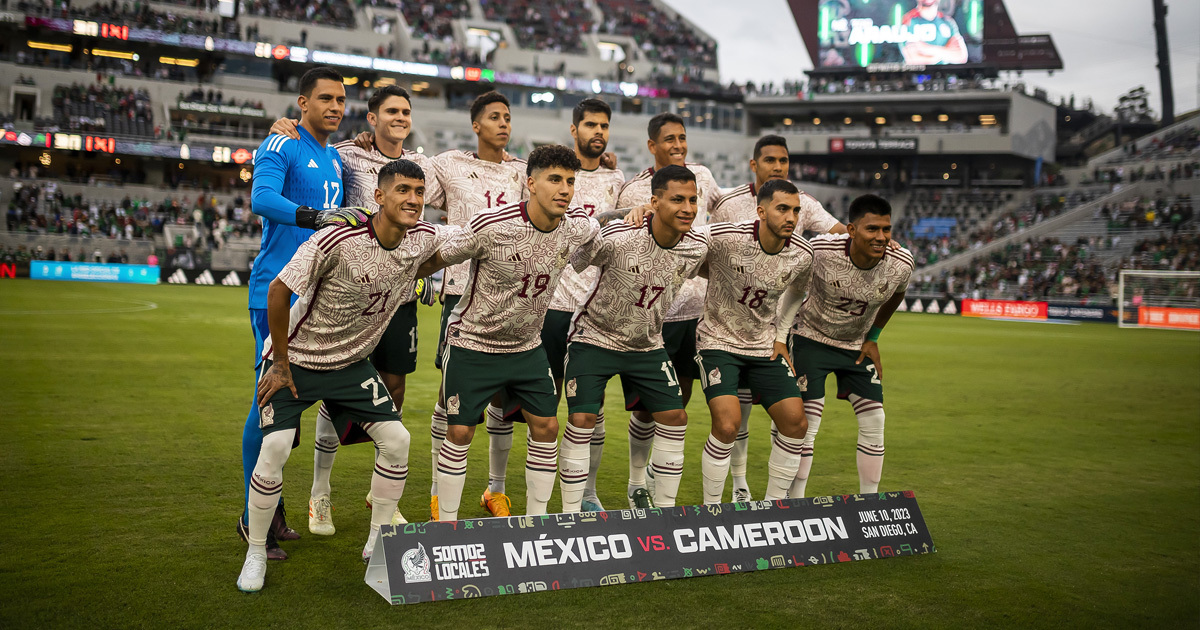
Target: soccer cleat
x=433, y=509
x=640, y=499
x=591, y=504
x=369, y=548
x=397, y=517
x=496, y=503
x=274, y=551
x=320, y=516
x=741, y=495
x=279, y=526
x=254, y=570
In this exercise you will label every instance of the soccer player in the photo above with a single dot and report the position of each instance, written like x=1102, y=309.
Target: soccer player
x=757, y=273
x=347, y=280
x=947, y=45
x=516, y=254
x=858, y=282
x=297, y=188
x=389, y=112
x=668, y=144
x=596, y=190
x=619, y=330
x=770, y=162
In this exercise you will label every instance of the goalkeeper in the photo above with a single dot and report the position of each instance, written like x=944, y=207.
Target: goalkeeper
x=297, y=189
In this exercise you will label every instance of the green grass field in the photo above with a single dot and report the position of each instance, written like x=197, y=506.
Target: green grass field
x=1058, y=469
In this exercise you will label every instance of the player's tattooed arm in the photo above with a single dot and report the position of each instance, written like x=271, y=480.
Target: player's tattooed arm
x=286, y=127
x=870, y=347
x=610, y=215
x=279, y=376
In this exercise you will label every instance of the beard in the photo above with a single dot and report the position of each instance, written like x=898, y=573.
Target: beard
x=587, y=151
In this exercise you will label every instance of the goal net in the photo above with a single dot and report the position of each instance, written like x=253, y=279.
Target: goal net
x=1159, y=299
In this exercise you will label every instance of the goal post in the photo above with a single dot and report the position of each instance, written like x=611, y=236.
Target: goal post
x=1159, y=299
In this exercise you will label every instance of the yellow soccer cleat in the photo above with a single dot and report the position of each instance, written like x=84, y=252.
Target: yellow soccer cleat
x=435, y=515
x=497, y=504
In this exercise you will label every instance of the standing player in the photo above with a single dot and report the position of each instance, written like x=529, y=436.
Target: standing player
x=858, y=282
x=516, y=254
x=297, y=188
x=345, y=279
x=947, y=46
x=770, y=162
x=389, y=112
x=619, y=330
x=757, y=273
x=596, y=189
x=471, y=182
x=668, y=144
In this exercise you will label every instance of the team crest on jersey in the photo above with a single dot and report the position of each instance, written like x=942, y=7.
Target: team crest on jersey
x=266, y=416
x=415, y=563
x=562, y=257
x=714, y=376
x=802, y=382
x=572, y=387
x=452, y=405
x=882, y=291
x=337, y=167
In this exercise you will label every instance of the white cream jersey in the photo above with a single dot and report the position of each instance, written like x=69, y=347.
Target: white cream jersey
x=842, y=298
x=744, y=287
x=689, y=303
x=741, y=204
x=468, y=185
x=348, y=288
x=513, y=271
x=360, y=173
x=596, y=192
x=638, y=281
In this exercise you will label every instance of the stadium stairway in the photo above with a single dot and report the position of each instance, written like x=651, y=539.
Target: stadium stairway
x=1061, y=224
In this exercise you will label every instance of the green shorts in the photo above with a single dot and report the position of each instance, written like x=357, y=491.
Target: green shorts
x=353, y=394
x=814, y=361
x=471, y=379
x=554, y=340
x=448, y=304
x=647, y=378
x=723, y=373
x=679, y=339
x=397, y=349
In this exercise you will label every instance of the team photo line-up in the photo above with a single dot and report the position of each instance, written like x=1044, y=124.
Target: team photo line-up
x=558, y=274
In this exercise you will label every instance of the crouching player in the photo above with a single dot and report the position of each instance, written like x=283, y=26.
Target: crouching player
x=349, y=281
x=858, y=282
x=757, y=273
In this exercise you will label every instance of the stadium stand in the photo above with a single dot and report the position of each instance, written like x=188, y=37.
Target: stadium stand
x=432, y=20
x=102, y=108
x=138, y=14
x=544, y=25
x=662, y=37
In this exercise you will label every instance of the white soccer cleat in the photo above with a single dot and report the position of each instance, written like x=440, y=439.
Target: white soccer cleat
x=254, y=571
x=741, y=495
x=320, y=516
x=369, y=548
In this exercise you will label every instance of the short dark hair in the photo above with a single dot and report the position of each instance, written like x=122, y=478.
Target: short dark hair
x=773, y=186
x=667, y=174
x=769, y=141
x=869, y=204
x=590, y=106
x=551, y=156
x=656, y=124
x=485, y=99
x=383, y=94
x=402, y=168
x=309, y=79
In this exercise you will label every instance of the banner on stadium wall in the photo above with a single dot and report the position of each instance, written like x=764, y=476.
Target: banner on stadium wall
x=14, y=270
x=204, y=276
x=420, y=562
x=1008, y=309
x=1168, y=317
x=93, y=272
x=943, y=306
x=1085, y=313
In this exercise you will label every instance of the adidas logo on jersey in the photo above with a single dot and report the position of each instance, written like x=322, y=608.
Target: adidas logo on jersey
x=364, y=279
x=312, y=163
x=514, y=258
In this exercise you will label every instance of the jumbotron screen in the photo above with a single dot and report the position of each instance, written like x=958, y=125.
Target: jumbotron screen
x=864, y=33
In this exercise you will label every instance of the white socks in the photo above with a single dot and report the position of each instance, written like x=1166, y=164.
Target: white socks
x=870, y=443
x=714, y=466
x=266, y=484
x=451, y=475
x=573, y=465
x=667, y=462
x=741, y=446
x=391, y=469
x=324, y=451
x=541, y=464
x=437, y=433
x=782, y=465
x=596, y=451
x=500, y=437
x=641, y=436
x=812, y=410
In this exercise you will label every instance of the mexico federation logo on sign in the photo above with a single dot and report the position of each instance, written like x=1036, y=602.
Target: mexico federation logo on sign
x=415, y=563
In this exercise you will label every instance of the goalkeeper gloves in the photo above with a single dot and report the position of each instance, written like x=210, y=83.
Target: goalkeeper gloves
x=425, y=292
x=350, y=216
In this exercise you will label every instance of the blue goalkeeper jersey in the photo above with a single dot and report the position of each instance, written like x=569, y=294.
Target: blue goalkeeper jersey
x=288, y=174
